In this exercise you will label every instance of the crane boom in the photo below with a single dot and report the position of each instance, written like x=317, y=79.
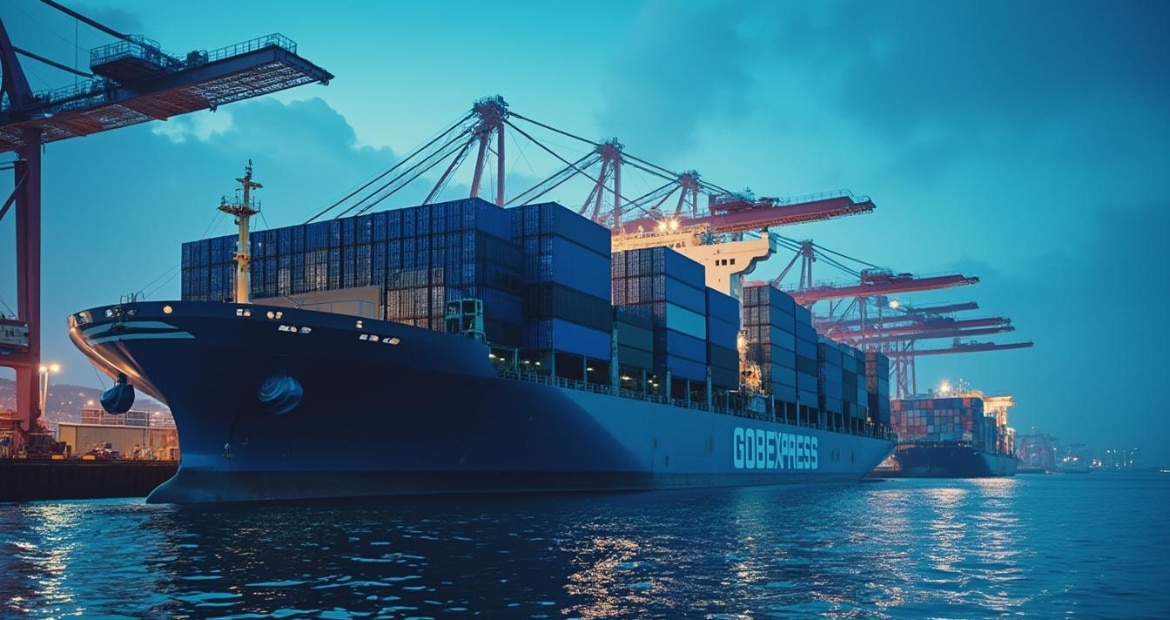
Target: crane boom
x=929, y=334
x=962, y=347
x=152, y=85
x=899, y=283
x=911, y=330
x=762, y=214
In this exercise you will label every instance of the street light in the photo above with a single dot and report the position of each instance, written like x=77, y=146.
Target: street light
x=45, y=371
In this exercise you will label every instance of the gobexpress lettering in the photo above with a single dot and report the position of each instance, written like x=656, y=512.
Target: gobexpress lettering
x=763, y=449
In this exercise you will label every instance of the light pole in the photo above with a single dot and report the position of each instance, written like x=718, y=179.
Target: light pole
x=46, y=369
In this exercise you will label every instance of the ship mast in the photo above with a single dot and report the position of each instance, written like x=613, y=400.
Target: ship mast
x=242, y=211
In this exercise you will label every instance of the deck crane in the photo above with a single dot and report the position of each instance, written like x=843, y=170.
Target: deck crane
x=131, y=81
x=724, y=239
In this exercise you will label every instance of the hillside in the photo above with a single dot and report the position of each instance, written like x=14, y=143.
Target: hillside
x=66, y=401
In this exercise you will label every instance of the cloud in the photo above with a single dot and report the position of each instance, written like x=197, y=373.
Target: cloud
x=1099, y=350
x=200, y=126
x=968, y=64
x=684, y=62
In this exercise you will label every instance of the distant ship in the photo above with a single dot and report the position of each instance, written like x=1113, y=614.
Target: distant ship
x=952, y=433
x=1037, y=453
x=1074, y=459
x=464, y=348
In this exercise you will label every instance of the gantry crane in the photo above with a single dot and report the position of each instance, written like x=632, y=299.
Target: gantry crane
x=902, y=355
x=897, y=332
x=133, y=81
x=881, y=323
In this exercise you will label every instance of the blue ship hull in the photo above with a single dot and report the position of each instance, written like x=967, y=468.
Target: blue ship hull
x=390, y=409
x=949, y=460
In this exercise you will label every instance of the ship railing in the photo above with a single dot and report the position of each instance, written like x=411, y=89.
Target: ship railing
x=600, y=388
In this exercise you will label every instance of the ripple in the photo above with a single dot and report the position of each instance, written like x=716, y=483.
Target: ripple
x=902, y=549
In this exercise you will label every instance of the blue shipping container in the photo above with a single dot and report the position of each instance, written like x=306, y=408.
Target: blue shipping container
x=722, y=307
x=570, y=264
x=681, y=368
x=668, y=342
x=566, y=337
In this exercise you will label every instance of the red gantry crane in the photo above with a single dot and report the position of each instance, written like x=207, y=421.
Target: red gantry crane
x=131, y=81
x=864, y=316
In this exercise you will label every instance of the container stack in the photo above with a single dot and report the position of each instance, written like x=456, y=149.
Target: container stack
x=807, y=381
x=723, y=318
x=416, y=297
x=769, y=318
x=672, y=288
x=854, y=397
x=635, y=339
x=402, y=251
x=566, y=282
x=877, y=387
x=942, y=419
x=829, y=374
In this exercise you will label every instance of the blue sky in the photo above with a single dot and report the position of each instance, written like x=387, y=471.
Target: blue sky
x=1022, y=142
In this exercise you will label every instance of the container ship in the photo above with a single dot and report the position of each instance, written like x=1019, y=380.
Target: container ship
x=951, y=433
x=1037, y=453
x=461, y=347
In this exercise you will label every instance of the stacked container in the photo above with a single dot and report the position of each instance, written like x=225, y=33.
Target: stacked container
x=769, y=318
x=634, y=331
x=671, y=288
x=723, y=318
x=566, y=282
x=829, y=372
x=807, y=381
x=877, y=387
x=943, y=420
x=855, y=400
x=469, y=241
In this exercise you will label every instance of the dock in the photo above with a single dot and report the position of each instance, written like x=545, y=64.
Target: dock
x=24, y=480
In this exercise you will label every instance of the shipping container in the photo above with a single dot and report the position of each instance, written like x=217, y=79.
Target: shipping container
x=666, y=261
x=722, y=333
x=550, y=218
x=567, y=263
x=634, y=336
x=681, y=368
x=722, y=357
x=671, y=343
x=557, y=301
x=560, y=335
x=635, y=358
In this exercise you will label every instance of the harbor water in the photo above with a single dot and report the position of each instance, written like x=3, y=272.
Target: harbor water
x=1032, y=546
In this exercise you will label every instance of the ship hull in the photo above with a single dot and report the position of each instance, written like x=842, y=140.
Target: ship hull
x=389, y=409
x=949, y=461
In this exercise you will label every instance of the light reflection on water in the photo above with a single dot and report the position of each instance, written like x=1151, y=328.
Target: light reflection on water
x=1024, y=546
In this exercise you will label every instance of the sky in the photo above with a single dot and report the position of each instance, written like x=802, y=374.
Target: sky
x=1021, y=142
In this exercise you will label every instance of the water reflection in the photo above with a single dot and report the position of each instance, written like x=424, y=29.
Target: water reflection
x=895, y=549
x=70, y=558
